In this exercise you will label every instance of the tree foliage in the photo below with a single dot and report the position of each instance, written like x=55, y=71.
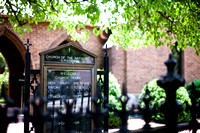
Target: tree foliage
x=133, y=23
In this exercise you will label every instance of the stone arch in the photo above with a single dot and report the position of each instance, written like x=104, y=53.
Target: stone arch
x=62, y=38
x=4, y=31
x=13, y=49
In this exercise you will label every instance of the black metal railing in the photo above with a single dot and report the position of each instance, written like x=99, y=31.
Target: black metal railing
x=67, y=114
x=103, y=86
x=170, y=82
x=34, y=83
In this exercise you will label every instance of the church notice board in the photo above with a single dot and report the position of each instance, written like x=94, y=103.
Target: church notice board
x=67, y=72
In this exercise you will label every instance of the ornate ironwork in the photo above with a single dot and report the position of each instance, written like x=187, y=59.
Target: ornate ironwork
x=97, y=115
x=69, y=117
x=27, y=45
x=194, y=108
x=4, y=118
x=34, y=83
x=147, y=111
x=123, y=113
x=38, y=118
x=27, y=82
x=170, y=83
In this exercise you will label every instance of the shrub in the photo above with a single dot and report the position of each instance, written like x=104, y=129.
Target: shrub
x=158, y=96
x=197, y=86
x=4, y=79
x=5, y=75
x=114, y=93
x=197, y=93
x=2, y=61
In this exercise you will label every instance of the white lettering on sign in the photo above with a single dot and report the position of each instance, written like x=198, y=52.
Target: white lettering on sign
x=68, y=73
x=76, y=77
x=69, y=59
x=63, y=77
x=52, y=57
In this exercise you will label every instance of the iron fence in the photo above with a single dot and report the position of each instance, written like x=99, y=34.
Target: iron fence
x=170, y=82
x=66, y=115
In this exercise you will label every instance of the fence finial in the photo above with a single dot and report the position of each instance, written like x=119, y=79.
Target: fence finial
x=106, y=50
x=170, y=82
x=147, y=111
x=27, y=45
x=123, y=113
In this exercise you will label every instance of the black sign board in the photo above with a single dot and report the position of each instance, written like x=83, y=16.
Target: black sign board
x=68, y=84
x=68, y=73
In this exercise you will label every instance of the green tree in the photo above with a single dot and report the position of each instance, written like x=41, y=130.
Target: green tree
x=133, y=23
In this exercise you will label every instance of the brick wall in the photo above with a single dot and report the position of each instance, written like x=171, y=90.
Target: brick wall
x=133, y=67
x=41, y=39
x=117, y=63
x=144, y=65
x=94, y=45
x=191, y=65
x=137, y=67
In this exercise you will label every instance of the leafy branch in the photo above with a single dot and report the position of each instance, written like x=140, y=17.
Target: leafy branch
x=21, y=23
x=165, y=17
x=52, y=6
x=133, y=23
x=193, y=12
x=74, y=1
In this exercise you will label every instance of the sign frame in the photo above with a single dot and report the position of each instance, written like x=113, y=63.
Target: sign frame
x=57, y=65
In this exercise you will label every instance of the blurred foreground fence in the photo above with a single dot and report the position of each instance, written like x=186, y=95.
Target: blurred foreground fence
x=97, y=117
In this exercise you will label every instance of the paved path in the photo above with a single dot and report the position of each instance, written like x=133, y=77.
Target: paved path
x=133, y=124
x=137, y=123
x=17, y=127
